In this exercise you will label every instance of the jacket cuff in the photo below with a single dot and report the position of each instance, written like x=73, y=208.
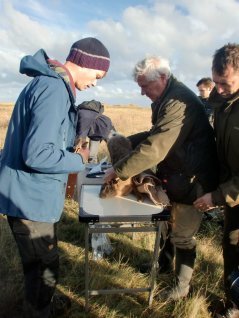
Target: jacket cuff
x=82, y=158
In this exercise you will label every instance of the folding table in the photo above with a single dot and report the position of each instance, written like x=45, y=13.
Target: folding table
x=123, y=210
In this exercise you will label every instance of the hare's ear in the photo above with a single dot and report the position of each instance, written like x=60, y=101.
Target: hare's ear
x=102, y=190
x=115, y=181
x=80, y=143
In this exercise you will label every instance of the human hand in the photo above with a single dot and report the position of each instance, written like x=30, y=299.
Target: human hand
x=85, y=153
x=204, y=203
x=109, y=175
x=81, y=147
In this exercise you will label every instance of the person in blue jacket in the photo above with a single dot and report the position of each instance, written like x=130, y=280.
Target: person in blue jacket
x=36, y=160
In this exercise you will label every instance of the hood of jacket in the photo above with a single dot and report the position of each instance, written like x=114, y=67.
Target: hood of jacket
x=40, y=64
x=35, y=65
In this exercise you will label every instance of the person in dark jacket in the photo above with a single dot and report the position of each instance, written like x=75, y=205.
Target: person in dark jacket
x=184, y=153
x=225, y=100
x=36, y=161
x=92, y=124
x=205, y=86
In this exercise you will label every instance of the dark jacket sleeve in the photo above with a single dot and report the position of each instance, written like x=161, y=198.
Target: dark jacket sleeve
x=136, y=139
x=170, y=131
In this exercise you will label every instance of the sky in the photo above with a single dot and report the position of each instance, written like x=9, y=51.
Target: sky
x=186, y=32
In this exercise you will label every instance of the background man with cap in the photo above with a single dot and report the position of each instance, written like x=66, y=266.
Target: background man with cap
x=36, y=161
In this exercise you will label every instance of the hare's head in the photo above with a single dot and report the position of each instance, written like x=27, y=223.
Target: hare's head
x=116, y=187
x=108, y=190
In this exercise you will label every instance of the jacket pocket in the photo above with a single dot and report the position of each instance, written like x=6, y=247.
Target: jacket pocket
x=181, y=188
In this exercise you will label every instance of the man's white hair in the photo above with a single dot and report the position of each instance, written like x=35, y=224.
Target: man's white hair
x=152, y=68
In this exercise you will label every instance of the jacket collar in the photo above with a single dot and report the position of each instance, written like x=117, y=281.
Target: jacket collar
x=217, y=101
x=159, y=99
x=65, y=75
x=157, y=104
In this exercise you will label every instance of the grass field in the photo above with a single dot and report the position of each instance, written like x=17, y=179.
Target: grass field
x=120, y=268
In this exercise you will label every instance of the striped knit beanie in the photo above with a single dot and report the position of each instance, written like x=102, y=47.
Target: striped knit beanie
x=90, y=53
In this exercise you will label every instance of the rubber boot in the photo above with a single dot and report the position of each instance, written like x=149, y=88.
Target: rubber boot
x=94, y=148
x=184, y=269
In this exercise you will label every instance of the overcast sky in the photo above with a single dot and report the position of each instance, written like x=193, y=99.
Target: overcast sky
x=187, y=32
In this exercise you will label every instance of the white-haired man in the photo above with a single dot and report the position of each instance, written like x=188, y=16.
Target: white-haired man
x=185, y=155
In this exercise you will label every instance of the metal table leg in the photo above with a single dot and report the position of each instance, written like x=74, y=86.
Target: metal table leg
x=87, y=267
x=153, y=273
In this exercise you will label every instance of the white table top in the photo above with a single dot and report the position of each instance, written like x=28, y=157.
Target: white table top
x=115, y=209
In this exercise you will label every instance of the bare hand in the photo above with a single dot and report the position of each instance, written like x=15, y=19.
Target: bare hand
x=204, y=203
x=84, y=152
x=109, y=175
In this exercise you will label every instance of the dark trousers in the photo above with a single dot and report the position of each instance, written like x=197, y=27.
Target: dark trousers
x=230, y=245
x=37, y=244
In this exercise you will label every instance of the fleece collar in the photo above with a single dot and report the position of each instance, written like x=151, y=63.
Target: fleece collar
x=64, y=73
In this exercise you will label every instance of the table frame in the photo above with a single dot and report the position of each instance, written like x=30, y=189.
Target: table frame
x=152, y=224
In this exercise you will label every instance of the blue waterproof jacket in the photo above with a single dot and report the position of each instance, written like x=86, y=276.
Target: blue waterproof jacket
x=35, y=160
